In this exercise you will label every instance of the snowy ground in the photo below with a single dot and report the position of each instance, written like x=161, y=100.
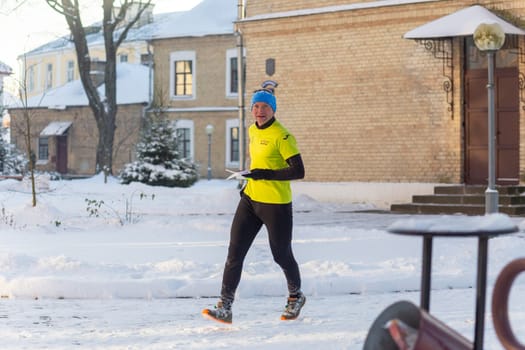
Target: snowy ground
x=137, y=273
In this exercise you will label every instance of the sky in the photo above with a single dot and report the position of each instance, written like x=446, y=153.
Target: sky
x=27, y=24
x=107, y=266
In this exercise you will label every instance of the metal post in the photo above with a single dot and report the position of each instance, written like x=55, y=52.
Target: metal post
x=481, y=288
x=209, y=156
x=426, y=271
x=491, y=194
x=241, y=80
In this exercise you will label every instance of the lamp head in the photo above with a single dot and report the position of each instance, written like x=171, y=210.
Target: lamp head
x=489, y=36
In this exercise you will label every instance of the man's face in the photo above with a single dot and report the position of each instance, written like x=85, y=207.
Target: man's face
x=262, y=113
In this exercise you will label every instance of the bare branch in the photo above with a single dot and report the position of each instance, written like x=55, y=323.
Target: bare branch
x=141, y=10
x=65, y=8
x=7, y=12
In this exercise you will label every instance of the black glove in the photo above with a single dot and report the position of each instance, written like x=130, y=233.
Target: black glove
x=260, y=174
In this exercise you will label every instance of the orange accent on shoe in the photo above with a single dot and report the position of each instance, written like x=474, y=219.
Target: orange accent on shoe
x=207, y=314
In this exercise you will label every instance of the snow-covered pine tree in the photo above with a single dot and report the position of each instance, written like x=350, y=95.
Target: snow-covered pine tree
x=158, y=162
x=12, y=161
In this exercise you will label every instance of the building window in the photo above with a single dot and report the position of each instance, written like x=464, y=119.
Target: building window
x=182, y=77
x=123, y=58
x=184, y=142
x=146, y=59
x=232, y=74
x=70, y=71
x=31, y=79
x=49, y=76
x=43, y=148
x=184, y=134
x=232, y=143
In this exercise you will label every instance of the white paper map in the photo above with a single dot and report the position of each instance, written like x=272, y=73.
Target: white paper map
x=237, y=175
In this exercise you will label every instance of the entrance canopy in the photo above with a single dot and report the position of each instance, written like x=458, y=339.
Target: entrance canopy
x=56, y=129
x=461, y=23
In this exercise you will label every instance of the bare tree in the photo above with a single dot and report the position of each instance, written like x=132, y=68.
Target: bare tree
x=24, y=128
x=115, y=30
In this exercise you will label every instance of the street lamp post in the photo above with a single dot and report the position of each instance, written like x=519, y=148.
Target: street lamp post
x=490, y=38
x=209, y=132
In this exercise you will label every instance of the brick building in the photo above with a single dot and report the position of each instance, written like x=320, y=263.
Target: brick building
x=365, y=103
x=63, y=132
x=368, y=105
x=202, y=42
x=195, y=82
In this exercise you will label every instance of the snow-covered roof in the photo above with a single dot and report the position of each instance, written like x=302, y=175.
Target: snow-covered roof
x=461, y=23
x=334, y=8
x=55, y=128
x=210, y=17
x=132, y=88
x=5, y=69
x=65, y=42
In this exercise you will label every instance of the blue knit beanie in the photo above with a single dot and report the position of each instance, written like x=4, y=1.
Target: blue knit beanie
x=266, y=97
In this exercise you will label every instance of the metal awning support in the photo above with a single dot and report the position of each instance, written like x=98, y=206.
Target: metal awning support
x=443, y=49
x=437, y=37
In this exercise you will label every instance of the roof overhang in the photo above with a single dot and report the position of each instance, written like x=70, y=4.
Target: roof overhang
x=56, y=129
x=461, y=23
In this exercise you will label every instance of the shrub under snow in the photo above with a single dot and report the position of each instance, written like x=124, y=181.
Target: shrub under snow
x=158, y=161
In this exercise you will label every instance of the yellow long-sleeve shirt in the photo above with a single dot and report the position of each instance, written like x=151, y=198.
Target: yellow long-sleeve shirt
x=269, y=149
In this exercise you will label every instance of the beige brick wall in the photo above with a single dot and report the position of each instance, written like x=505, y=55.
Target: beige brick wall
x=210, y=69
x=211, y=105
x=82, y=136
x=364, y=103
x=265, y=7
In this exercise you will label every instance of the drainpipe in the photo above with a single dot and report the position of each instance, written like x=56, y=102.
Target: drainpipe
x=150, y=84
x=148, y=105
x=150, y=76
x=240, y=84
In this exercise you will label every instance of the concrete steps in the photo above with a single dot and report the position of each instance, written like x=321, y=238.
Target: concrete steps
x=461, y=199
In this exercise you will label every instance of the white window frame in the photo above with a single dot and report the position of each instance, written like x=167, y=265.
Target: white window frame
x=231, y=53
x=46, y=159
x=31, y=78
x=48, y=84
x=187, y=124
x=183, y=56
x=70, y=75
x=230, y=123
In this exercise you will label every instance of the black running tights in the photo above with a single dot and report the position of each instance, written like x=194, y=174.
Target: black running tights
x=248, y=220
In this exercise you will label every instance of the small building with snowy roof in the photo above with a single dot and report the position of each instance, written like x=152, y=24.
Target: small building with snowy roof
x=63, y=130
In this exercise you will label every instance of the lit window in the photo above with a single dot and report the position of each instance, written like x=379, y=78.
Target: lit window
x=183, y=78
x=182, y=75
